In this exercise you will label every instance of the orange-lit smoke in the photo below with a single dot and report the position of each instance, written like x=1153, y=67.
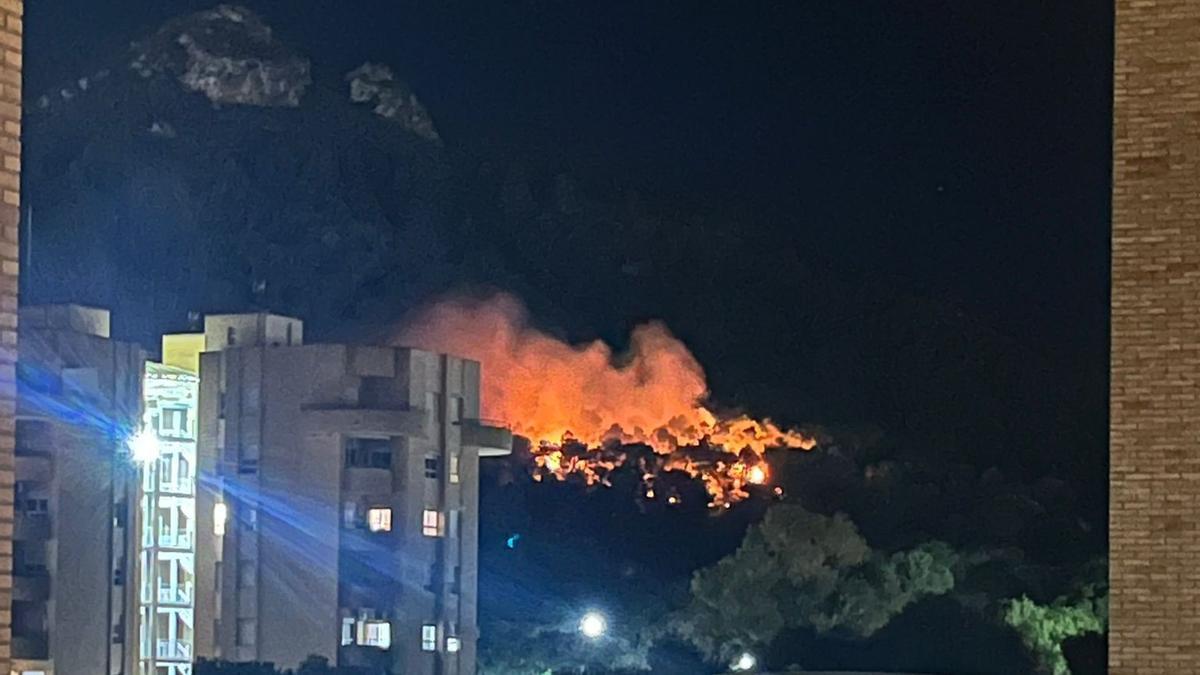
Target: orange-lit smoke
x=559, y=395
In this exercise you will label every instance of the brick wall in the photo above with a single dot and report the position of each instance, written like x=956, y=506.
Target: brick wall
x=1155, y=391
x=11, y=30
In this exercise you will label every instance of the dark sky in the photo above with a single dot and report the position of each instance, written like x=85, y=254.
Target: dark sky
x=960, y=146
x=957, y=150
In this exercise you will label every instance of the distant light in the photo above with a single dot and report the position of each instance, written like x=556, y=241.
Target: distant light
x=672, y=500
x=220, y=514
x=511, y=542
x=593, y=625
x=453, y=645
x=744, y=662
x=143, y=446
x=757, y=475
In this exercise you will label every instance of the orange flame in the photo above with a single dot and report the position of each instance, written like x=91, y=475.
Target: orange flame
x=557, y=394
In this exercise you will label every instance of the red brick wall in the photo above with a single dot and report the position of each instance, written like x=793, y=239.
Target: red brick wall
x=1155, y=391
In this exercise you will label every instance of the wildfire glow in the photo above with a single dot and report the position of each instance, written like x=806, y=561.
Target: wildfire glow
x=578, y=404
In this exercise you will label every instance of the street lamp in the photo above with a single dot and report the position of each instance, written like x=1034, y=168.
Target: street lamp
x=593, y=625
x=744, y=663
x=143, y=446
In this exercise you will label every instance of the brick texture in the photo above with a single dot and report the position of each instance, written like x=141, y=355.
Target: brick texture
x=11, y=29
x=1155, y=399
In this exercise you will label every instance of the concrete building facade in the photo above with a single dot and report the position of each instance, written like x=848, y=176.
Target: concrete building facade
x=11, y=30
x=1154, y=524
x=73, y=602
x=167, y=543
x=338, y=501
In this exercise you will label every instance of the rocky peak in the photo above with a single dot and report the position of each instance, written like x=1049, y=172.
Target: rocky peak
x=373, y=83
x=228, y=54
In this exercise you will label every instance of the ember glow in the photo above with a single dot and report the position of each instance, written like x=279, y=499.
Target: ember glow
x=581, y=405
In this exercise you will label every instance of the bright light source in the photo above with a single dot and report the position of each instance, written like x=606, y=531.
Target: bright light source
x=220, y=514
x=144, y=447
x=756, y=475
x=593, y=625
x=744, y=662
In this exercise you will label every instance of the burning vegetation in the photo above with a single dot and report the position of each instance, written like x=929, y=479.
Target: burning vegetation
x=582, y=407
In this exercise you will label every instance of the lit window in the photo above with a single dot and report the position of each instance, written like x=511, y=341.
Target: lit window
x=379, y=519
x=375, y=634
x=431, y=467
x=453, y=645
x=429, y=638
x=347, y=630
x=454, y=467
x=431, y=525
x=220, y=514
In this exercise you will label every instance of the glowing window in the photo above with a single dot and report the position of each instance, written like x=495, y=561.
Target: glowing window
x=429, y=638
x=379, y=519
x=347, y=630
x=431, y=523
x=454, y=467
x=375, y=634
x=220, y=514
x=453, y=645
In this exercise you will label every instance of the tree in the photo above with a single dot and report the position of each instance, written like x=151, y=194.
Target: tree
x=797, y=569
x=1044, y=628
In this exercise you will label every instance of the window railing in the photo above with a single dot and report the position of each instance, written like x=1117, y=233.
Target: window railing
x=169, y=539
x=185, y=485
x=174, y=649
x=175, y=595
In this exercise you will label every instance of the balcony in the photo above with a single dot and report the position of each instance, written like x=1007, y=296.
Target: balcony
x=181, y=595
x=35, y=467
x=174, y=650
x=175, y=540
x=30, y=646
x=185, y=487
x=492, y=438
x=30, y=586
x=359, y=420
x=31, y=527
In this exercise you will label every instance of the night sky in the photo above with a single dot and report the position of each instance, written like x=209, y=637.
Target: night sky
x=958, y=151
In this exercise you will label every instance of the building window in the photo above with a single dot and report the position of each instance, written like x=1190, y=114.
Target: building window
x=453, y=645
x=431, y=525
x=230, y=336
x=379, y=519
x=34, y=507
x=289, y=334
x=369, y=453
x=431, y=467
x=454, y=459
x=350, y=514
x=174, y=419
x=220, y=515
x=429, y=638
x=375, y=634
x=247, y=632
x=347, y=630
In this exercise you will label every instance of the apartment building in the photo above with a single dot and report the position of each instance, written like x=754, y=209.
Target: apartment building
x=79, y=404
x=337, y=503
x=167, y=542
